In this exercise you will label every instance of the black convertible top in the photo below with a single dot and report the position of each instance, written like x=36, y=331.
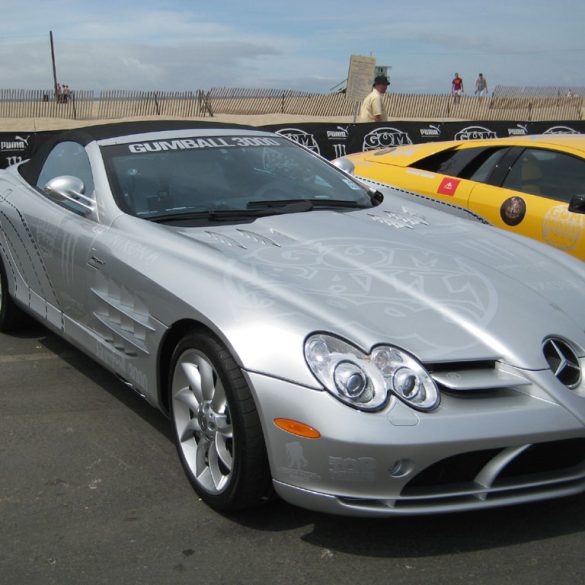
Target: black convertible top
x=103, y=131
x=30, y=170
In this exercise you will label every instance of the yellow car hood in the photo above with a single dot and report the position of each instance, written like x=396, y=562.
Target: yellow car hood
x=400, y=156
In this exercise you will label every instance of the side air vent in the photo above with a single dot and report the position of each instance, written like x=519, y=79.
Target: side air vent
x=476, y=376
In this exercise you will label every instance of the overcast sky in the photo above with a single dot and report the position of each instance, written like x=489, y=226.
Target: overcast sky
x=297, y=44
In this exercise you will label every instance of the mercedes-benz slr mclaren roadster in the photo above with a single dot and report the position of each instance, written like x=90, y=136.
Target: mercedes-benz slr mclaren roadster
x=357, y=351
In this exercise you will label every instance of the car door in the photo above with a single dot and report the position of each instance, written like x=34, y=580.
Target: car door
x=58, y=236
x=533, y=197
x=451, y=175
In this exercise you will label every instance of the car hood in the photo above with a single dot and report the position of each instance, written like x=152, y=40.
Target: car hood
x=400, y=156
x=438, y=286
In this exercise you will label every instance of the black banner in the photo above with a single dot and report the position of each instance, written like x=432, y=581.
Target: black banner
x=18, y=146
x=14, y=147
x=332, y=141
x=335, y=140
x=328, y=140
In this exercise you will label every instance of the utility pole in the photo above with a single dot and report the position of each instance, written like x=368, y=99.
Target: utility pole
x=53, y=61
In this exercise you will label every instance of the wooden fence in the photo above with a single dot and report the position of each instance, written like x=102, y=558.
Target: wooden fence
x=113, y=104
x=38, y=103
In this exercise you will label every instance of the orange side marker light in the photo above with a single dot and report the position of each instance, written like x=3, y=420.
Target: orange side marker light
x=297, y=428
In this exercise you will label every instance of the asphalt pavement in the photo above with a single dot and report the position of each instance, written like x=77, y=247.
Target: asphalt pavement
x=92, y=492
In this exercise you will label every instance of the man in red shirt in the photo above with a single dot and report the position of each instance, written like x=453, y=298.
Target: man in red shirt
x=457, y=88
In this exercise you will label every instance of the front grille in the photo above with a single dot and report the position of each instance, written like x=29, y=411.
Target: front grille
x=541, y=463
x=485, y=479
x=458, y=470
x=545, y=458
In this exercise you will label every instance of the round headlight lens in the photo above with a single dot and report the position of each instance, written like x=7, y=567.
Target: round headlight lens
x=406, y=378
x=317, y=352
x=406, y=383
x=346, y=372
x=350, y=380
x=367, y=381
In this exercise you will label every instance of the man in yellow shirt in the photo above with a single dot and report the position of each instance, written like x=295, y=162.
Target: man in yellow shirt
x=372, y=109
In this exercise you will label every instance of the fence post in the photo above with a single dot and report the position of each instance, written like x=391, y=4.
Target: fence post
x=282, y=108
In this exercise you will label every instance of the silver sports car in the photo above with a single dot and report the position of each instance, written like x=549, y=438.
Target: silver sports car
x=357, y=351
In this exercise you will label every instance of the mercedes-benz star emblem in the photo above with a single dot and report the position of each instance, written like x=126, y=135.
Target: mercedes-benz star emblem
x=563, y=361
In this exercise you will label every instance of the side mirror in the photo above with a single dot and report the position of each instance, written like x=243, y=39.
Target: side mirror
x=345, y=165
x=68, y=188
x=577, y=204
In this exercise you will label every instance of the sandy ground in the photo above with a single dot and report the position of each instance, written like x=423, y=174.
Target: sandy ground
x=38, y=124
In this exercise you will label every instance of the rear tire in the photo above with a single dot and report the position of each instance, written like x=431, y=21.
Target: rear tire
x=11, y=317
x=216, y=425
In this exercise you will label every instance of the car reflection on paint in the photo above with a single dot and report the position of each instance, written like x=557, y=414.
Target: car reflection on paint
x=531, y=185
x=355, y=351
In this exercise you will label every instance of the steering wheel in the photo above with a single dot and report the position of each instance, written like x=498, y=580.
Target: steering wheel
x=272, y=190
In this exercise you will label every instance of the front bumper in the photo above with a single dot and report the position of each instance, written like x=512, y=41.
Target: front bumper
x=478, y=451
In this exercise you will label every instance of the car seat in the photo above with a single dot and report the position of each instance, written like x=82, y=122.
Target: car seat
x=530, y=176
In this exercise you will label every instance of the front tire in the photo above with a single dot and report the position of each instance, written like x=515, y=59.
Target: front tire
x=216, y=425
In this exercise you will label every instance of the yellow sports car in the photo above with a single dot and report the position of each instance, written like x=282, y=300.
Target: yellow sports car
x=531, y=185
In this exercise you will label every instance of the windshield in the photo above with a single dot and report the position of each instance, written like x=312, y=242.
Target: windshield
x=220, y=175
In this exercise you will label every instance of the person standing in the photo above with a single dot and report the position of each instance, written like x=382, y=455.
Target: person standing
x=457, y=88
x=372, y=108
x=481, y=87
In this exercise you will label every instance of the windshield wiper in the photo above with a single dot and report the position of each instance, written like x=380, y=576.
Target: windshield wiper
x=308, y=204
x=294, y=206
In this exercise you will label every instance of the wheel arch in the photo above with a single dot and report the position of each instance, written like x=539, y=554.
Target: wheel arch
x=249, y=479
x=170, y=340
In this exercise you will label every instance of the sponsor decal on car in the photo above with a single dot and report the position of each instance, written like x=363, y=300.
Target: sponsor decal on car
x=384, y=137
x=406, y=219
x=561, y=228
x=475, y=133
x=425, y=174
x=448, y=186
x=350, y=469
x=513, y=210
x=197, y=143
x=297, y=464
x=331, y=283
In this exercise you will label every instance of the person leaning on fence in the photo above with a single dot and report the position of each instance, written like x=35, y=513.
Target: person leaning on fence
x=372, y=109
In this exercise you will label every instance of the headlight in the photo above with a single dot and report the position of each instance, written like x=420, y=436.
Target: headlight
x=367, y=381
x=345, y=165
